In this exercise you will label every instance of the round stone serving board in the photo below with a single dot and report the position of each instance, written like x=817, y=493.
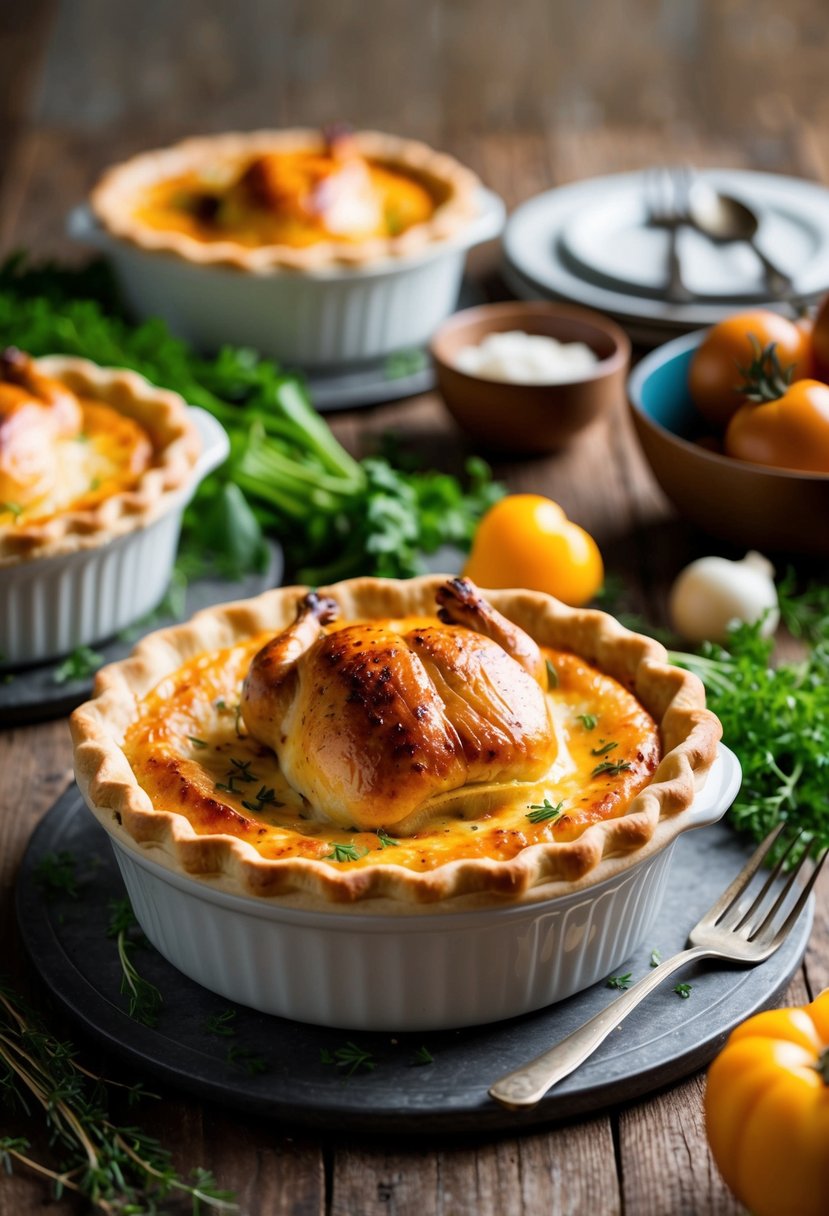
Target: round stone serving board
x=32, y=694
x=665, y=1039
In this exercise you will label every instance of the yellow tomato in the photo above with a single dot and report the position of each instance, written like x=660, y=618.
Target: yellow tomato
x=525, y=540
x=767, y=1111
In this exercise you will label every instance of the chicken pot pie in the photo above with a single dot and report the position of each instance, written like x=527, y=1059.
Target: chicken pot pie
x=407, y=740
x=296, y=199
x=86, y=454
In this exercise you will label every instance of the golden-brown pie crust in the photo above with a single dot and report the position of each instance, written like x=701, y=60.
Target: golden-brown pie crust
x=162, y=414
x=674, y=697
x=113, y=200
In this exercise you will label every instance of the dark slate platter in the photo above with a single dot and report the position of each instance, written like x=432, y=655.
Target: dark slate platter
x=31, y=694
x=665, y=1039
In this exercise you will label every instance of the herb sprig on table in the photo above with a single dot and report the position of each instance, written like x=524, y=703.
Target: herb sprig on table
x=116, y=1168
x=287, y=474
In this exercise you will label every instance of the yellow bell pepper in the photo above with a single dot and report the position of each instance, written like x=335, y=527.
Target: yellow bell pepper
x=525, y=540
x=767, y=1111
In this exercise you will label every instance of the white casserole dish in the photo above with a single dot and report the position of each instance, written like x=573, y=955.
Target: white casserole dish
x=51, y=605
x=412, y=969
x=311, y=318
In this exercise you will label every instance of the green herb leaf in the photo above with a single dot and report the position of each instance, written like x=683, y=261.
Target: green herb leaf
x=80, y=665
x=588, y=721
x=346, y=852
x=221, y=1024
x=620, y=981
x=115, y=1168
x=349, y=1058
x=612, y=770
x=540, y=813
x=656, y=957
x=683, y=990
x=602, y=751
x=422, y=1057
x=247, y=1061
x=14, y=508
x=265, y=797
x=144, y=999
x=197, y=743
x=386, y=841
x=55, y=874
x=552, y=674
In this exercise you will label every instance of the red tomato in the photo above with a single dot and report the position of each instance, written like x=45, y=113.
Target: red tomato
x=715, y=374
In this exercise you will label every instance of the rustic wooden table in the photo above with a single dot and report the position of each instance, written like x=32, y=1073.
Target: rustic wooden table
x=84, y=83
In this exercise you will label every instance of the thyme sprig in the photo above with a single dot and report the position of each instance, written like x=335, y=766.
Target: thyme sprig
x=350, y=1058
x=144, y=999
x=612, y=769
x=541, y=812
x=346, y=852
x=119, y=1170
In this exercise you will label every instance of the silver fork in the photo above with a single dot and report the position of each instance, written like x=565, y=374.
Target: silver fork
x=739, y=928
x=666, y=199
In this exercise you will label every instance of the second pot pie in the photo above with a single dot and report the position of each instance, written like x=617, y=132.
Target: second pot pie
x=412, y=740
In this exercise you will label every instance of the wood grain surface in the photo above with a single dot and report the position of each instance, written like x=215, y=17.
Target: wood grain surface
x=530, y=95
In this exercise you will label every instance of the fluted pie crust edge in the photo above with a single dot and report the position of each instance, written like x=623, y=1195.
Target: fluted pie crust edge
x=113, y=199
x=674, y=697
x=176, y=444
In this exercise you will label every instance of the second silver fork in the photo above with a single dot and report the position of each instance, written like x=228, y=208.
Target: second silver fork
x=740, y=928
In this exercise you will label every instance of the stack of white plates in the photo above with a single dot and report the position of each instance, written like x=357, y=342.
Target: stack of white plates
x=593, y=243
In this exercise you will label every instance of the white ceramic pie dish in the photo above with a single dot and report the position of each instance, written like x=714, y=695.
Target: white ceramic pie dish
x=410, y=968
x=310, y=318
x=51, y=605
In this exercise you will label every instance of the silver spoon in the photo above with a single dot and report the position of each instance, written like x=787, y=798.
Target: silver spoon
x=723, y=219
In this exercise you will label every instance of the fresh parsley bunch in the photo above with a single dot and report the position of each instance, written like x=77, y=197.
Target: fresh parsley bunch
x=775, y=716
x=287, y=474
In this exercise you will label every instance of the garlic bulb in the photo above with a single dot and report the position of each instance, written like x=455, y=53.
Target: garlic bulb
x=713, y=592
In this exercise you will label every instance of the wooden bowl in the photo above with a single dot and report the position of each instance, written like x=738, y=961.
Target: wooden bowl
x=751, y=505
x=529, y=418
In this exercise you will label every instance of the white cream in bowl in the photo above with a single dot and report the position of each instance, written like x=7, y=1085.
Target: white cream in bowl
x=520, y=358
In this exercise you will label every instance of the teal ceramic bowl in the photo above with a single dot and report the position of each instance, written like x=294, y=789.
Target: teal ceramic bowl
x=750, y=505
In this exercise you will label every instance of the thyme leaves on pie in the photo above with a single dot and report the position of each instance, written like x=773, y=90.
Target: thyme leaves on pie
x=544, y=811
x=603, y=750
x=588, y=721
x=612, y=769
x=552, y=674
x=386, y=841
x=265, y=797
x=346, y=852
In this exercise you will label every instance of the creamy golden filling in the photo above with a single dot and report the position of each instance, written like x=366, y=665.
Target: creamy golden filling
x=191, y=753
x=294, y=199
x=107, y=456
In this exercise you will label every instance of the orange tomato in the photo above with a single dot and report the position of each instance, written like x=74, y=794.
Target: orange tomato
x=767, y=1111
x=820, y=341
x=715, y=374
x=525, y=540
x=791, y=432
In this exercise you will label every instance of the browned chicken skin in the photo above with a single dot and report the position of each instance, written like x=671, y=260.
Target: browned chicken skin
x=369, y=724
x=34, y=411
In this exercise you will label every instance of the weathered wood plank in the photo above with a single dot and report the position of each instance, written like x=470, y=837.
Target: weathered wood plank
x=563, y=1172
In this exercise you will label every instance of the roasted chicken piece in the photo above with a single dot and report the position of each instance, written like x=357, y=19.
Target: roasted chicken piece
x=369, y=724
x=34, y=412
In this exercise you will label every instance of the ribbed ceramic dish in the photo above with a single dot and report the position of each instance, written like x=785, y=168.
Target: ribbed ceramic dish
x=50, y=606
x=412, y=969
x=316, y=318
